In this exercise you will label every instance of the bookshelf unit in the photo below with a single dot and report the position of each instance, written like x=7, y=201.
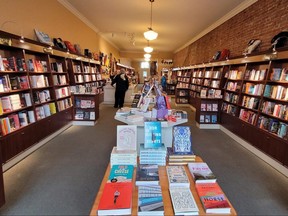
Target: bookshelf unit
x=208, y=112
x=29, y=111
x=182, y=87
x=86, y=109
x=254, y=99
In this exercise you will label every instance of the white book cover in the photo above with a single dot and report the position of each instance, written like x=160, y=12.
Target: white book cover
x=201, y=172
x=177, y=176
x=126, y=137
x=183, y=201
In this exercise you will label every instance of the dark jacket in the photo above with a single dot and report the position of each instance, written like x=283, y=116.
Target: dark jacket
x=121, y=85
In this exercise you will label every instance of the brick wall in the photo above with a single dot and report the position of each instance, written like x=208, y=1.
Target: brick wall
x=262, y=20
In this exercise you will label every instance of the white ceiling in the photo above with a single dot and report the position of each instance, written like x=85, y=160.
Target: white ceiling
x=178, y=22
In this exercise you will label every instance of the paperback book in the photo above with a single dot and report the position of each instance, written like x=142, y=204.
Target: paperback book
x=182, y=141
x=147, y=175
x=126, y=137
x=201, y=172
x=183, y=201
x=177, y=176
x=116, y=199
x=213, y=199
x=150, y=200
x=152, y=134
x=121, y=173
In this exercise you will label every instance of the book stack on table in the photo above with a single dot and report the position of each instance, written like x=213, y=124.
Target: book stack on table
x=123, y=157
x=153, y=155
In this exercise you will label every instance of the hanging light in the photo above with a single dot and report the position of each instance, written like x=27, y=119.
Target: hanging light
x=150, y=34
x=148, y=49
x=147, y=55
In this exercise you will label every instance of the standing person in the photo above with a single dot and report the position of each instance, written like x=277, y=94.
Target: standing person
x=164, y=82
x=122, y=84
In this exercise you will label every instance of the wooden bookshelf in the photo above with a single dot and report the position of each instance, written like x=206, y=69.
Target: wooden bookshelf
x=168, y=208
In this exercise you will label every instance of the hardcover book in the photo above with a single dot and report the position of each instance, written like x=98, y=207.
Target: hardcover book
x=116, y=199
x=126, y=137
x=147, y=175
x=177, y=176
x=121, y=173
x=201, y=172
x=182, y=141
x=183, y=201
x=212, y=198
x=150, y=200
x=152, y=134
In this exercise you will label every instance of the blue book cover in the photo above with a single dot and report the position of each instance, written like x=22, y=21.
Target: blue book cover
x=182, y=140
x=153, y=134
x=121, y=173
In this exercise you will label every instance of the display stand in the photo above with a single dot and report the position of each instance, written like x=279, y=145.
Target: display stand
x=168, y=208
x=86, y=109
x=166, y=128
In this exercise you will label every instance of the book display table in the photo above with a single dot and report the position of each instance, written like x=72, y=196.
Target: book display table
x=166, y=129
x=168, y=208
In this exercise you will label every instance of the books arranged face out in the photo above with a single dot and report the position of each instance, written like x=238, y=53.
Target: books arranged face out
x=212, y=198
x=177, y=176
x=126, y=137
x=152, y=134
x=116, y=199
x=182, y=141
x=201, y=172
x=147, y=175
x=121, y=173
x=150, y=200
x=183, y=201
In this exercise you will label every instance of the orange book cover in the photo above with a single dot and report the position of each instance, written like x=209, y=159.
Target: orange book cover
x=116, y=199
x=213, y=198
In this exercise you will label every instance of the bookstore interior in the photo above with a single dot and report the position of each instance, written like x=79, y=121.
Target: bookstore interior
x=47, y=85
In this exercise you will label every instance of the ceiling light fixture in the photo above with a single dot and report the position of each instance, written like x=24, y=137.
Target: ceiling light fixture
x=147, y=55
x=148, y=49
x=150, y=34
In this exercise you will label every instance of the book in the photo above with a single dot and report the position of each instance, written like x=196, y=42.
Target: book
x=182, y=140
x=126, y=137
x=201, y=172
x=116, y=199
x=121, y=173
x=150, y=200
x=177, y=176
x=152, y=134
x=183, y=201
x=147, y=175
x=213, y=198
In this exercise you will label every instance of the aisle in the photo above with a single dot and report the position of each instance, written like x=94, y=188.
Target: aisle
x=63, y=177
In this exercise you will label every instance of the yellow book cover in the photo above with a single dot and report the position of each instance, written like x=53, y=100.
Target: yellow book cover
x=52, y=108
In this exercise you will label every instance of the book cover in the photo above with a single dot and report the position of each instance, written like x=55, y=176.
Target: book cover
x=177, y=176
x=121, y=173
x=126, y=137
x=116, y=199
x=201, y=172
x=183, y=201
x=212, y=198
x=182, y=140
x=147, y=175
x=150, y=200
x=152, y=134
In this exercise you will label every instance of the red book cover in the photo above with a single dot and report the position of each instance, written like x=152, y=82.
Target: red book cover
x=213, y=198
x=116, y=199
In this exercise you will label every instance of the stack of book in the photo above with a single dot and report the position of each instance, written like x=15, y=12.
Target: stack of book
x=179, y=159
x=150, y=200
x=177, y=176
x=153, y=155
x=147, y=175
x=211, y=195
x=116, y=198
x=123, y=157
